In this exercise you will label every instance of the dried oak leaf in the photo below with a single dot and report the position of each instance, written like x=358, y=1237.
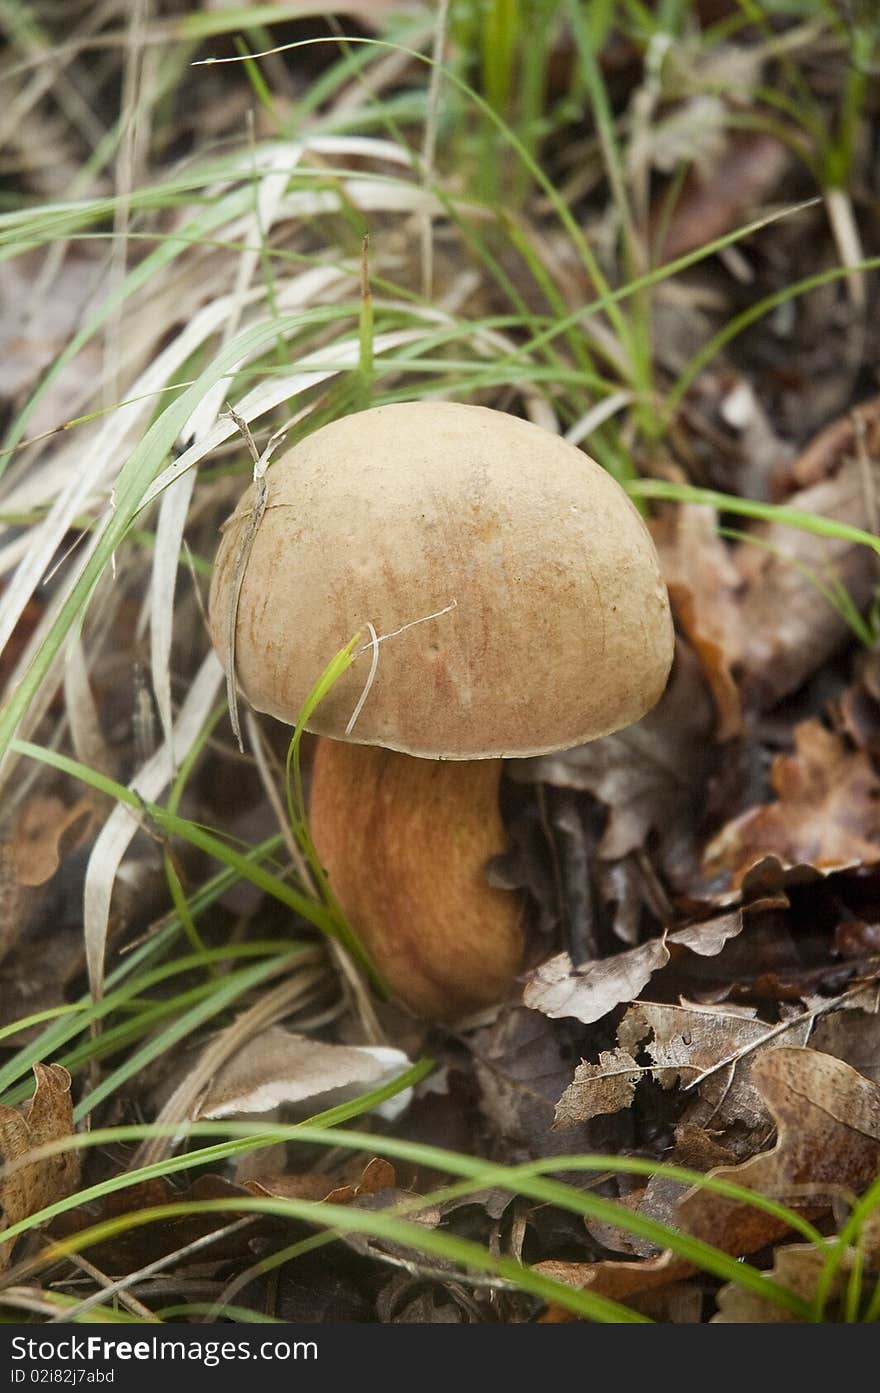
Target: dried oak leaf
x=588, y=993
x=827, y=812
x=828, y=1140
x=799, y=1267
x=828, y=1121
x=29, y=1186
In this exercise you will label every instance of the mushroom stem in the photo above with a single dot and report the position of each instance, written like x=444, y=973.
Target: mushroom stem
x=405, y=842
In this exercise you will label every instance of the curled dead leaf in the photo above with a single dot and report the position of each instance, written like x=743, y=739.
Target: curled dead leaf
x=682, y=1045
x=556, y=988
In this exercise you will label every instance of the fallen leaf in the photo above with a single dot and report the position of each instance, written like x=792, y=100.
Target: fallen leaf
x=606, y=1087
x=682, y=1044
x=854, y=1037
x=704, y=586
x=651, y=776
x=45, y=831
x=789, y=628
x=46, y=1117
x=309, y=1186
x=828, y=1142
x=376, y=1175
x=716, y=200
x=556, y=988
x=827, y=812
x=279, y=1067
x=829, y=449
x=619, y=1280
x=523, y=1063
x=800, y=1268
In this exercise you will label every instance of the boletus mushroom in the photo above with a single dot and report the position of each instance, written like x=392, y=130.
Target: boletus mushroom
x=518, y=608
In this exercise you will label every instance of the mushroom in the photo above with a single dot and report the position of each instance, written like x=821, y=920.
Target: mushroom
x=516, y=603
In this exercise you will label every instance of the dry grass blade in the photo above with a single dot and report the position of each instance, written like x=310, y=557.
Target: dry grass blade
x=121, y=826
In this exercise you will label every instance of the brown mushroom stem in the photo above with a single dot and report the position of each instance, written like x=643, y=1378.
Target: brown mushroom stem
x=405, y=843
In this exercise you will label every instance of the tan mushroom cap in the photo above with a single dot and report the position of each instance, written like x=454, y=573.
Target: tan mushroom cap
x=560, y=630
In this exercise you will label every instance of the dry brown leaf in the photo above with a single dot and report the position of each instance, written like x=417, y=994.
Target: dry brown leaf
x=311, y=1185
x=651, y=776
x=279, y=1067
x=131, y=1248
x=830, y=447
x=557, y=989
x=827, y=812
x=606, y=1087
x=799, y=1266
x=713, y=203
x=46, y=829
x=618, y=1280
x=828, y=1120
x=377, y=1174
x=789, y=629
x=704, y=587
x=45, y=1118
x=853, y=1036
x=378, y=1177
x=522, y=1065
x=682, y=1043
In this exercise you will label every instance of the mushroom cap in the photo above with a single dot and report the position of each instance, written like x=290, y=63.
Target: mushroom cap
x=560, y=629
